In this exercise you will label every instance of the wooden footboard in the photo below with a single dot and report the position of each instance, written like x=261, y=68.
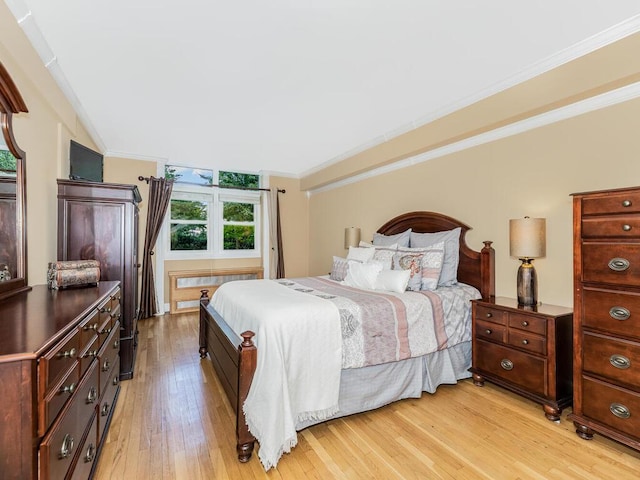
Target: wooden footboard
x=234, y=360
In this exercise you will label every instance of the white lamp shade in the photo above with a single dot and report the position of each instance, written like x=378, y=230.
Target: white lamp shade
x=527, y=237
x=351, y=237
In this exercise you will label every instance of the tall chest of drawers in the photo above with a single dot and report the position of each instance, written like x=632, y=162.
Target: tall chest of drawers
x=607, y=315
x=59, y=371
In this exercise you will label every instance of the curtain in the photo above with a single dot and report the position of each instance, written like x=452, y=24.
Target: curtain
x=159, y=197
x=276, y=258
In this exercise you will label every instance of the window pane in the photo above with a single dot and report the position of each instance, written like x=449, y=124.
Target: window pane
x=237, y=212
x=188, y=210
x=197, y=176
x=239, y=237
x=188, y=237
x=7, y=163
x=233, y=179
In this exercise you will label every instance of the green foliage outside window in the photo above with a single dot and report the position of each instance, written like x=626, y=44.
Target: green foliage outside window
x=188, y=210
x=7, y=161
x=234, y=179
x=239, y=237
x=188, y=237
x=237, y=212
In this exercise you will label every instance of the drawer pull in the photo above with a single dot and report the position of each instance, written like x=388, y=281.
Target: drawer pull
x=626, y=203
x=116, y=344
x=68, y=389
x=489, y=315
x=619, y=313
x=525, y=323
x=488, y=331
x=67, y=353
x=93, y=327
x=626, y=227
x=619, y=264
x=106, y=331
x=525, y=342
x=620, y=410
x=506, y=364
x=91, y=453
x=91, y=353
x=93, y=394
x=105, y=310
x=620, y=361
x=66, y=448
x=116, y=380
x=104, y=411
x=105, y=365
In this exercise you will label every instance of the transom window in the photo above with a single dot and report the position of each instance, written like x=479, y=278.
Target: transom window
x=206, y=221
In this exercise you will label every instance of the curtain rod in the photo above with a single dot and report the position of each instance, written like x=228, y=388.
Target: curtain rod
x=280, y=190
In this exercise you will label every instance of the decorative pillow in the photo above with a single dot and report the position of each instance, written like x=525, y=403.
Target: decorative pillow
x=411, y=261
x=339, y=268
x=383, y=254
x=402, y=239
x=432, y=262
x=451, y=239
x=362, y=275
x=360, y=254
x=393, y=280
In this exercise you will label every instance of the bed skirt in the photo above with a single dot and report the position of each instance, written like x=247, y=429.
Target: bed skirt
x=371, y=387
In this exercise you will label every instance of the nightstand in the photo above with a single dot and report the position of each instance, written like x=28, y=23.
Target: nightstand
x=527, y=350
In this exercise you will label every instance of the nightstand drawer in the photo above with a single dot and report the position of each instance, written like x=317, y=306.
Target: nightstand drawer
x=616, y=263
x=528, y=323
x=614, y=406
x=527, y=341
x=611, y=311
x=623, y=226
x=617, y=360
x=491, y=331
x=624, y=202
x=489, y=314
x=527, y=371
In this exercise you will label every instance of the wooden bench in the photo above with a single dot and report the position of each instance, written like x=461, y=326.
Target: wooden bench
x=185, y=285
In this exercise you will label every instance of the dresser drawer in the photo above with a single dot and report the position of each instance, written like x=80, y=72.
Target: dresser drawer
x=108, y=357
x=519, y=368
x=623, y=226
x=616, y=263
x=491, y=331
x=89, y=329
x=611, y=311
x=528, y=323
x=57, y=398
x=57, y=361
x=527, y=341
x=89, y=354
x=87, y=451
x=611, y=405
x=617, y=360
x=489, y=314
x=623, y=202
x=108, y=401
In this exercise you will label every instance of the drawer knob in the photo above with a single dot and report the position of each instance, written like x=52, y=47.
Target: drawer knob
x=620, y=361
x=104, y=411
x=488, y=331
x=106, y=331
x=92, y=395
x=116, y=380
x=67, y=353
x=105, y=310
x=525, y=342
x=619, y=264
x=626, y=227
x=91, y=453
x=525, y=323
x=105, y=365
x=66, y=448
x=620, y=410
x=626, y=203
x=91, y=353
x=68, y=389
x=93, y=327
x=116, y=344
x=619, y=313
x=489, y=315
x=506, y=364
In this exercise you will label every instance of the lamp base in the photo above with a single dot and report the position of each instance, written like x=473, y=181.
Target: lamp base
x=527, y=284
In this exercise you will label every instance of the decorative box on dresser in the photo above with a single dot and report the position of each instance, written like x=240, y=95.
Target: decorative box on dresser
x=607, y=321
x=99, y=221
x=59, y=371
x=524, y=349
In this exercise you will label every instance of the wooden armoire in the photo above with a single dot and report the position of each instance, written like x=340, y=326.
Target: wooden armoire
x=100, y=221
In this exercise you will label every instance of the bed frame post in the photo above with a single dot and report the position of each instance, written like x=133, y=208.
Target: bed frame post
x=204, y=300
x=487, y=271
x=248, y=354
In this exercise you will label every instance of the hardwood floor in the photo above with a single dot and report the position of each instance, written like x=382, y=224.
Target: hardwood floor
x=172, y=421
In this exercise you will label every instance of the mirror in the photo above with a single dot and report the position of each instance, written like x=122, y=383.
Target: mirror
x=13, y=235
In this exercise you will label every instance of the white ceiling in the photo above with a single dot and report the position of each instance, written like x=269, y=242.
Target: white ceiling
x=287, y=86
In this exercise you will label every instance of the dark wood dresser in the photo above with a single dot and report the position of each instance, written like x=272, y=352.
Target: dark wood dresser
x=607, y=320
x=524, y=349
x=59, y=371
x=99, y=221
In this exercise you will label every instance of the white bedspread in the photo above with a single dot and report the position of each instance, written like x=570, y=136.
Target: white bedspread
x=307, y=383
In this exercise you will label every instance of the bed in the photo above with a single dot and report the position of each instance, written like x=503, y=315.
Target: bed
x=365, y=386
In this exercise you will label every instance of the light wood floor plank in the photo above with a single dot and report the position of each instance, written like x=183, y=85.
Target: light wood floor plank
x=172, y=421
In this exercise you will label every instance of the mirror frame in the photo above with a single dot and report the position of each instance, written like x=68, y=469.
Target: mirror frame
x=11, y=103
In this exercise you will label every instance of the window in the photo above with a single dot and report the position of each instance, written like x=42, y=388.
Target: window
x=7, y=162
x=212, y=222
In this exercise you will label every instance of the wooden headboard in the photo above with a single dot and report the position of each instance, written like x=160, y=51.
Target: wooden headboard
x=476, y=268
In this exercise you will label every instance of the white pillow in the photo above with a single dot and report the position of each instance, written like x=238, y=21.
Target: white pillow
x=362, y=275
x=360, y=254
x=393, y=280
x=383, y=253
